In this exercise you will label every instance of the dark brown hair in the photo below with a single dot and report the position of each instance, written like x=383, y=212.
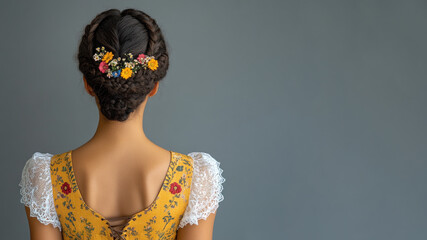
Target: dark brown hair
x=122, y=32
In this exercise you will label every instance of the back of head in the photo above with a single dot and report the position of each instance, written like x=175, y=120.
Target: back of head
x=122, y=32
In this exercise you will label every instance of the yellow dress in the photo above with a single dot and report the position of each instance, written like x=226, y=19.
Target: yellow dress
x=191, y=191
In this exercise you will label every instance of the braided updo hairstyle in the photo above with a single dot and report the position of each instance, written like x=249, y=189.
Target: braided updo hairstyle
x=128, y=31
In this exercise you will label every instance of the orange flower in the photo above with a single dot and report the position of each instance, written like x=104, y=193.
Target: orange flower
x=126, y=73
x=152, y=64
x=107, y=57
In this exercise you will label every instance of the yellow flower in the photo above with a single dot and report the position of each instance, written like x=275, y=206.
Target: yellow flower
x=152, y=64
x=107, y=57
x=126, y=73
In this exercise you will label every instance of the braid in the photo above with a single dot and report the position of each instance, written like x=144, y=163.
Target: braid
x=156, y=44
x=129, y=31
x=86, y=45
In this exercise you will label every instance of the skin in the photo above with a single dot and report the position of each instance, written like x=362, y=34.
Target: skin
x=121, y=154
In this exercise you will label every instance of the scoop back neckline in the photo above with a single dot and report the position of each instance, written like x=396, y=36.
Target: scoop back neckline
x=96, y=213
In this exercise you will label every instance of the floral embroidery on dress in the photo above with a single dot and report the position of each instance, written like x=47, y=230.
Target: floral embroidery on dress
x=175, y=188
x=160, y=220
x=66, y=188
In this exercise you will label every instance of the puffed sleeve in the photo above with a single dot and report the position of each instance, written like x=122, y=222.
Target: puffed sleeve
x=206, y=189
x=36, y=189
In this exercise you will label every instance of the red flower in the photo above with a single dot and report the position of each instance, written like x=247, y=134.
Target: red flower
x=66, y=188
x=175, y=188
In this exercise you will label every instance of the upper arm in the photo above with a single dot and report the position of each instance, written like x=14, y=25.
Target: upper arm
x=37, y=197
x=205, y=196
x=39, y=231
x=202, y=231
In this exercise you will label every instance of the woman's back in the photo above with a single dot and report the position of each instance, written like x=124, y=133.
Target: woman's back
x=118, y=184
x=160, y=218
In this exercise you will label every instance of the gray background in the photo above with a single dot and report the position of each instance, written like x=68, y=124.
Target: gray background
x=315, y=109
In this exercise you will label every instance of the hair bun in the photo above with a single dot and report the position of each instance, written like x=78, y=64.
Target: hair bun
x=130, y=31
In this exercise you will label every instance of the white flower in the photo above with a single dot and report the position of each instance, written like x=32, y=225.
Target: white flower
x=97, y=49
x=129, y=64
x=113, y=62
x=147, y=59
x=96, y=57
x=109, y=73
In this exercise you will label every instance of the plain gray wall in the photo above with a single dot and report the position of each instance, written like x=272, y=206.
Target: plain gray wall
x=315, y=109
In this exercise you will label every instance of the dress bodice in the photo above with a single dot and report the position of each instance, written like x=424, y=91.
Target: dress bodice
x=192, y=190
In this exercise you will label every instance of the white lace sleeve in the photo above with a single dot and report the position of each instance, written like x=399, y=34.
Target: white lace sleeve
x=36, y=189
x=206, y=189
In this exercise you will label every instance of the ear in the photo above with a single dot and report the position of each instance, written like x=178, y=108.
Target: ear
x=88, y=88
x=154, y=90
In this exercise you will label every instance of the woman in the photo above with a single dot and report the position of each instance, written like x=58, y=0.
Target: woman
x=120, y=185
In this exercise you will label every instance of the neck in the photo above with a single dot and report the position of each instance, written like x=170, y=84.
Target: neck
x=123, y=135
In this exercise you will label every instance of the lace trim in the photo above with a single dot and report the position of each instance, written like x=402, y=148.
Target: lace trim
x=206, y=189
x=36, y=189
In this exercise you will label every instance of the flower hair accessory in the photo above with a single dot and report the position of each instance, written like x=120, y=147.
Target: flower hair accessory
x=125, y=67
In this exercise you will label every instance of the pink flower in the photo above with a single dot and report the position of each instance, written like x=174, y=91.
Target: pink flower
x=103, y=67
x=140, y=57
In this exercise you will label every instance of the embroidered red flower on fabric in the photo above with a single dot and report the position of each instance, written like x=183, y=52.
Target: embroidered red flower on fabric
x=175, y=188
x=66, y=188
